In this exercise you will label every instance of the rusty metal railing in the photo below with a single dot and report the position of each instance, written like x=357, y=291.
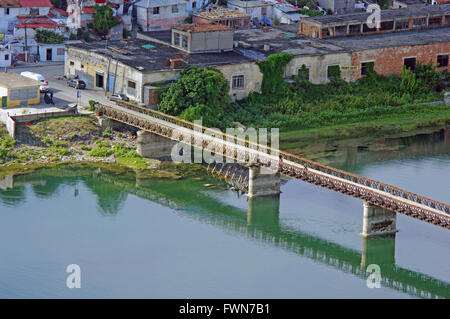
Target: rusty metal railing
x=337, y=173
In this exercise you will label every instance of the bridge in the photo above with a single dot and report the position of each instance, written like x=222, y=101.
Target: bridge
x=381, y=201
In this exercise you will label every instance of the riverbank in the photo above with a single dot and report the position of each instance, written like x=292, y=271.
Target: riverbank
x=402, y=121
x=75, y=140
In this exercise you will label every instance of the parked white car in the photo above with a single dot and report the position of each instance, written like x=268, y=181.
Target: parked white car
x=38, y=77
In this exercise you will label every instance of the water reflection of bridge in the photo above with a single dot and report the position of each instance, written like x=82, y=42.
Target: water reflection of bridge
x=261, y=223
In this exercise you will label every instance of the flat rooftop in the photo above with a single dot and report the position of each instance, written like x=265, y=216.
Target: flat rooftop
x=386, y=15
x=14, y=80
x=284, y=39
x=147, y=56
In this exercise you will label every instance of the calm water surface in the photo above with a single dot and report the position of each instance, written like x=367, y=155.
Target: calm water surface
x=162, y=238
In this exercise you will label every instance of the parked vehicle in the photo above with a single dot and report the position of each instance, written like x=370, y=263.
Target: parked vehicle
x=38, y=77
x=78, y=84
x=119, y=97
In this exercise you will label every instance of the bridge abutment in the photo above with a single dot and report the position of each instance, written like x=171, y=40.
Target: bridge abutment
x=263, y=181
x=151, y=145
x=378, y=221
x=105, y=123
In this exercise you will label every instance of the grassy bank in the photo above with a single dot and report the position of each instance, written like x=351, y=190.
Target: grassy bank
x=394, y=121
x=74, y=140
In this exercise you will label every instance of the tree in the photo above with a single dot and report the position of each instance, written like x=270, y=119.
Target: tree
x=200, y=93
x=103, y=20
x=47, y=36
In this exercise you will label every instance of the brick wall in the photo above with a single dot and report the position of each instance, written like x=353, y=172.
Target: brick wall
x=390, y=60
x=308, y=30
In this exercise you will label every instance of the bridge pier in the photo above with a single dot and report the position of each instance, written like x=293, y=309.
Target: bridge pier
x=151, y=145
x=378, y=221
x=263, y=181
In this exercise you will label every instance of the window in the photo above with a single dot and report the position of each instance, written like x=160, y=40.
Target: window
x=60, y=51
x=410, y=63
x=82, y=66
x=174, y=8
x=237, y=82
x=7, y=10
x=131, y=88
x=176, y=39
x=34, y=11
x=367, y=67
x=7, y=57
x=156, y=10
x=194, y=5
x=442, y=60
x=184, y=41
x=401, y=24
x=264, y=11
x=419, y=22
x=333, y=71
x=72, y=63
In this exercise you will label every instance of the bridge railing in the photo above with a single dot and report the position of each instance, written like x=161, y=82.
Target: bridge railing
x=295, y=159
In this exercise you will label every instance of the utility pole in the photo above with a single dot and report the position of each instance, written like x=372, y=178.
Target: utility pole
x=26, y=44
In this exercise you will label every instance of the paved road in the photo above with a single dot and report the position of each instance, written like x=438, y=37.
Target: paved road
x=62, y=92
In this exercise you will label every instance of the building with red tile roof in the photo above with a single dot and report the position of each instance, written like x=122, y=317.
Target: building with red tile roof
x=35, y=3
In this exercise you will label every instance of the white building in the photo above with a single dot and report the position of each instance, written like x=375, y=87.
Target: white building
x=51, y=52
x=259, y=11
x=193, y=6
x=5, y=57
x=153, y=15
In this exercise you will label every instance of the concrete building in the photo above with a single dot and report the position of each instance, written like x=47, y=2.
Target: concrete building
x=286, y=13
x=223, y=16
x=134, y=67
x=51, y=52
x=33, y=23
x=398, y=4
x=338, y=6
x=5, y=57
x=17, y=90
x=194, y=6
x=388, y=52
x=259, y=11
x=200, y=38
x=393, y=20
x=160, y=14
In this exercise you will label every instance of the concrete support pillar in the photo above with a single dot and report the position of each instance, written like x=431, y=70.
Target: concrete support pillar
x=378, y=250
x=151, y=145
x=105, y=123
x=264, y=211
x=378, y=221
x=263, y=181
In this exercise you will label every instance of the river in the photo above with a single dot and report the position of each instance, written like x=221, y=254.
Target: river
x=195, y=238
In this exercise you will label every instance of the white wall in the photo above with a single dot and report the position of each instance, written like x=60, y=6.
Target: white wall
x=55, y=56
x=5, y=58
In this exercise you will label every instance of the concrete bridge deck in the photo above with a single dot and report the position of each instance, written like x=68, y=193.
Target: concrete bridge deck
x=372, y=192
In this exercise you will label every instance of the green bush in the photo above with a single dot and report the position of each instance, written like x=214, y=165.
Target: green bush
x=199, y=94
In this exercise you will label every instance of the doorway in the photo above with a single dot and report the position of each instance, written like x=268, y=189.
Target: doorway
x=49, y=54
x=99, y=80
